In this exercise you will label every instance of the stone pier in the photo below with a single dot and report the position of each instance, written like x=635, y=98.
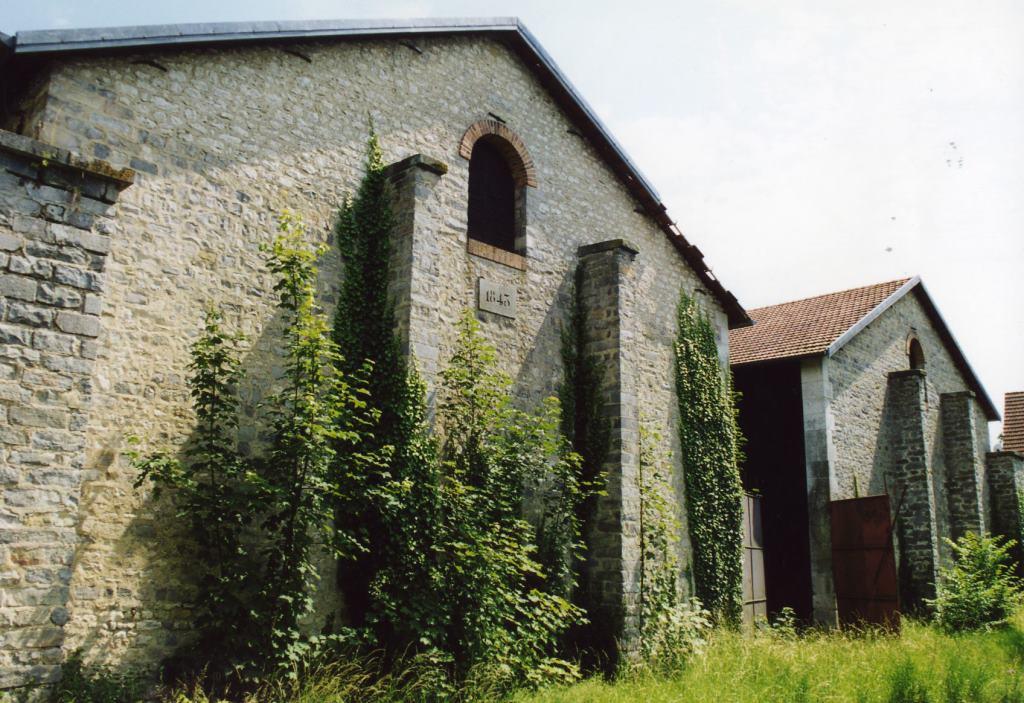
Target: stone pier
x=912, y=489
x=54, y=244
x=607, y=295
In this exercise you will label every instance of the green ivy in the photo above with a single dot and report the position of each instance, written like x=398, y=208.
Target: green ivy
x=709, y=440
x=364, y=329
x=448, y=567
x=671, y=627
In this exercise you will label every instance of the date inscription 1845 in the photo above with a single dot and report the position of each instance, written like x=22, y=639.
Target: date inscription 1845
x=497, y=298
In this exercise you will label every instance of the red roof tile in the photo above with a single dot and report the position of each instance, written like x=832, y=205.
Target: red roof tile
x=1013, y=422
x=805, y=327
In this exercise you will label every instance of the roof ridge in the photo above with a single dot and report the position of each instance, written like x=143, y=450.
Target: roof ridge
x=522, y=42
x=900, y=281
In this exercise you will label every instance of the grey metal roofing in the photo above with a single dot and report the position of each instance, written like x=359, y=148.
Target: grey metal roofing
x=39, y=43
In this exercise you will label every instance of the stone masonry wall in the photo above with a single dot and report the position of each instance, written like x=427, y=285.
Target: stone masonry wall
x=609, y=300
x=859, y=378
x=224, y=139
x=55, y=214
x=912, y=488
x=1006, y=491
x=964, y=477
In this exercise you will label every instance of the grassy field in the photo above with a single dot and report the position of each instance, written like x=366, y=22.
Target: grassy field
x=920, y=665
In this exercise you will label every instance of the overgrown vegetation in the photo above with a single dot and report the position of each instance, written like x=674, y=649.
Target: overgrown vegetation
x=588, y=431
x=924, y=664
x=709, y=440
x=260, y=524
x=671, y=628
x=438, y=562
x=981, y=589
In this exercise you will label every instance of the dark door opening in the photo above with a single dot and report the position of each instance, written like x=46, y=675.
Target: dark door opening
x=771, y=418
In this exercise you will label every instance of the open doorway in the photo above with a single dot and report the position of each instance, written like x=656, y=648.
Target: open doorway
x=771, y=418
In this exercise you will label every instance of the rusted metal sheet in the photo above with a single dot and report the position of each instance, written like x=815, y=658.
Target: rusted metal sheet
x=864, y=562
x=755, y=598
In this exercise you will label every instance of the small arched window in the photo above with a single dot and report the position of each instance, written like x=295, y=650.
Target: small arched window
x=492, y=196
x=915, y=354
x=500, y=169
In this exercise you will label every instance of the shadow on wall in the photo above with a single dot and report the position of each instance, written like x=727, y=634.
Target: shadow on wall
x=144, y=610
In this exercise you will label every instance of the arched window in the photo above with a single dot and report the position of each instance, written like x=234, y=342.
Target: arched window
x=492, y=196
x=915, y=353
x=500, y=170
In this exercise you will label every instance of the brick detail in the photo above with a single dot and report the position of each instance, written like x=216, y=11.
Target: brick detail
x=509, y=144
x=912, y=489
x=493, y=253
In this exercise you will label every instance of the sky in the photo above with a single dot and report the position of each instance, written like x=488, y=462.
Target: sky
x=806, y=146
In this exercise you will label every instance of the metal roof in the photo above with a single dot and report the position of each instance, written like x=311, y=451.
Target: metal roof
x=41, y=43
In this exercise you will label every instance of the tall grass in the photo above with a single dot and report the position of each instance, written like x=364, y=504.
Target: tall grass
x=922, y=665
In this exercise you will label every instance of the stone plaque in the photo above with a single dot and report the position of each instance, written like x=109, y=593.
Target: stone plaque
x=497, y=298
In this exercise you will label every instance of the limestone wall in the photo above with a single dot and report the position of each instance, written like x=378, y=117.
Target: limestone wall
x=859, y=376
x=222, y=140
x=54, y=244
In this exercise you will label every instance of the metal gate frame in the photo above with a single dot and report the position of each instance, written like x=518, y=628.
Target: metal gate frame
x=755, y=596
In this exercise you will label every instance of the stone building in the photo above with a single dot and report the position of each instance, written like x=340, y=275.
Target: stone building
x=1006, y=477
x=141, y=169
x=1013, y=422
x=855, y=394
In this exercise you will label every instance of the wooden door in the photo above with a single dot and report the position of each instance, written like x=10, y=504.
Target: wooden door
x=864, y=562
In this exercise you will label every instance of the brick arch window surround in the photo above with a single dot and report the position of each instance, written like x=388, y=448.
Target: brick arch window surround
x=500, y=170
x=915, y=354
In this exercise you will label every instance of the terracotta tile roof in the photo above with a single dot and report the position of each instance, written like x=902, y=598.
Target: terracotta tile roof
x=1013, y=422
x=805, y=327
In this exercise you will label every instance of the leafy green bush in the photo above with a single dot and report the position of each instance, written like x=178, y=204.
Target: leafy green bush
x=252, y=599
x=980, y=590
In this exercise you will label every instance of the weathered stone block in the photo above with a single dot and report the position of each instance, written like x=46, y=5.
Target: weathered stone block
x=77, y=277
x=59, y=296
x=75, y=323
x=19, y=287
x=32, y=315
x=9, y=242
x=38, y=416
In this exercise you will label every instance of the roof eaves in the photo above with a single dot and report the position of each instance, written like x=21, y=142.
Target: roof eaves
x=41, y=42
x=959, y=358
x=64, y=40
x=852, y=332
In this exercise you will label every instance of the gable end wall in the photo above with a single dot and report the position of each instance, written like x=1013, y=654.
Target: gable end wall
x=859, y=375
x=222, y=141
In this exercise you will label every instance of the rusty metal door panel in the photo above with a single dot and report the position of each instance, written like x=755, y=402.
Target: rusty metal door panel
x=864, y=562
x=755, y=598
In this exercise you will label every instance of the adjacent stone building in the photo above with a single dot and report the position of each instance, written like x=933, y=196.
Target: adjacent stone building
x=854, y=394
x=1006, y=477
x=140, y=171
